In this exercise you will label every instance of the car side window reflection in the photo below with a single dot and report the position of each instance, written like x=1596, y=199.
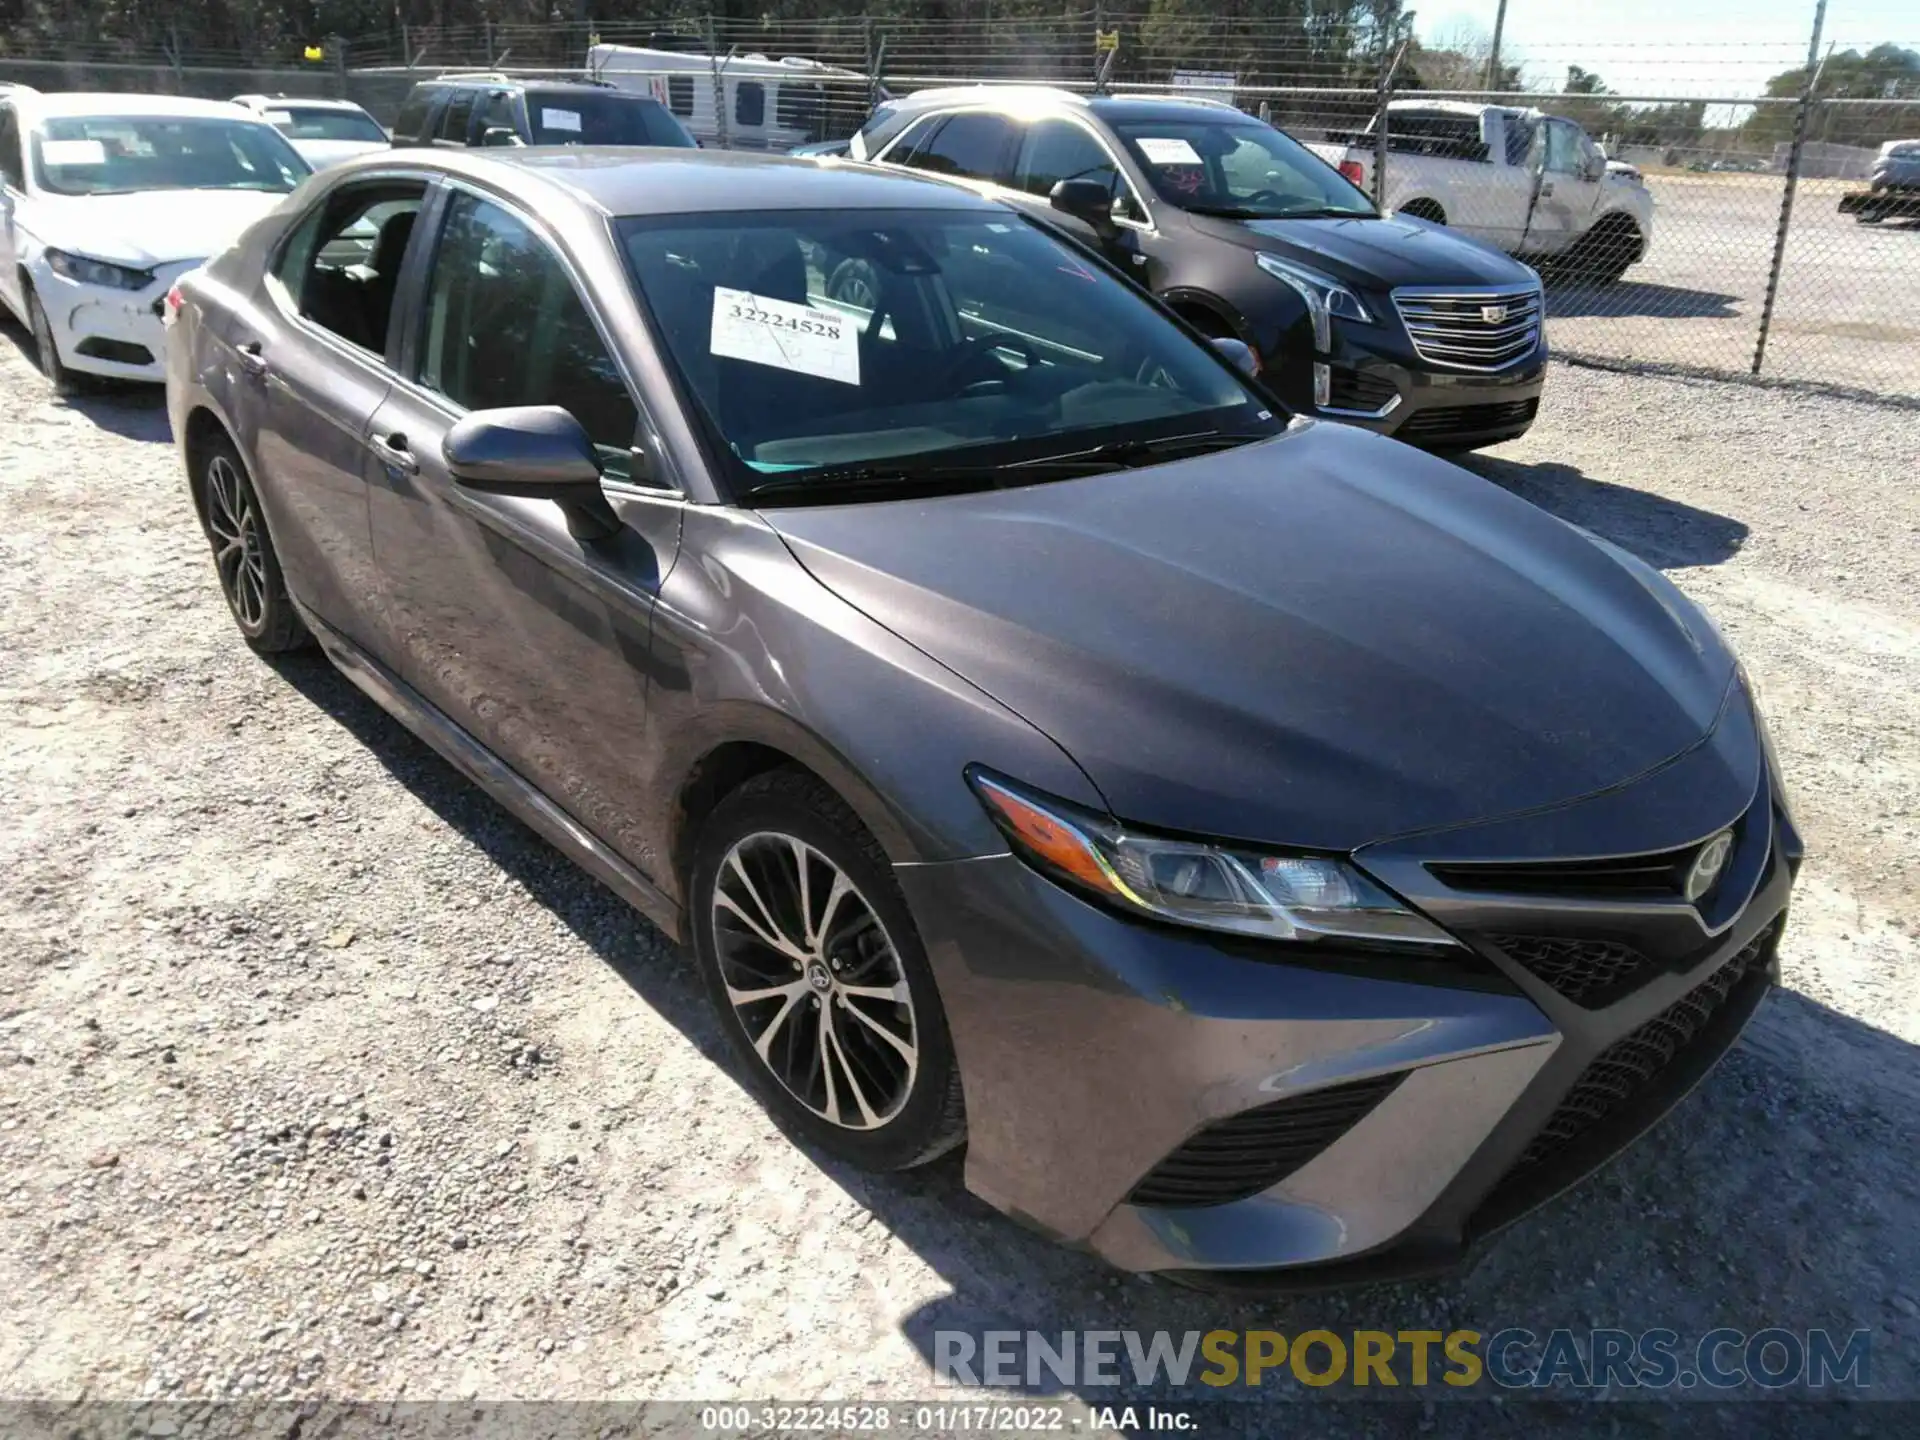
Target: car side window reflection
x=504, y=326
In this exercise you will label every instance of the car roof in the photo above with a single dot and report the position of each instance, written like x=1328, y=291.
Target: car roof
x=523, y=82
x=106, y=102
x=654, y=180
x=1017, y=99
x=1164, y=107
x=305, y=102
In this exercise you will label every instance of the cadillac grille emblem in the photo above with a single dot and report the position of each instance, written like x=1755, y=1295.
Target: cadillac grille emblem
x=1708, y=864
x=1493, y=314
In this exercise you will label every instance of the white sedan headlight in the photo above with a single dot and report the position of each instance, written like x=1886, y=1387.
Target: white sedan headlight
x=88, y=271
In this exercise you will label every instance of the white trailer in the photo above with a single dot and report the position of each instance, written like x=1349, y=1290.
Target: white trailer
x=765, y=104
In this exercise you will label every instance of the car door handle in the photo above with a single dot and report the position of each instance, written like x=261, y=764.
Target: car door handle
x=393, y=453
x=1546, y=187
x=253, y=358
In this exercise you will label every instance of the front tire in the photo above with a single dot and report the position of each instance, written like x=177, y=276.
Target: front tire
x=59, y=379
x=824, y=993
x=243, y=553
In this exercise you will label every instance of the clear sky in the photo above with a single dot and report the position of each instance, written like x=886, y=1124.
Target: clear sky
x=1669, y=47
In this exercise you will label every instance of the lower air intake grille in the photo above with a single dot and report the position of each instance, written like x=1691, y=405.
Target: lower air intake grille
x=1359, y=390
x=1587, y=972
x=1257, y=1149
x=1631, y=1063
x=1444, y=422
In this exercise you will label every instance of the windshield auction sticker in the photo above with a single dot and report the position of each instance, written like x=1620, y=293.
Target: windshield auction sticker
x=765, y=331
x=1165, y=151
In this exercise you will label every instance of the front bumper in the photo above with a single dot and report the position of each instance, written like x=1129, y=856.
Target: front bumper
x=100, y=330
x=1375, y=381
x=1095, y=1052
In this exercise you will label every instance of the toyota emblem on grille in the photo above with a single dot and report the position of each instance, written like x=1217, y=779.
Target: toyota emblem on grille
x=1707, y=865
x=1493, y=314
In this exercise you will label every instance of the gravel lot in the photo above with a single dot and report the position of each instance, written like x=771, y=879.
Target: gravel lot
x=324, y=1077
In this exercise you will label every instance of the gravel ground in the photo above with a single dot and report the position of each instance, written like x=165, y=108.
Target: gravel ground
x=323, y=1077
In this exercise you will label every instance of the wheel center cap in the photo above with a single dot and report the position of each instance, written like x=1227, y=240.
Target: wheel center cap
x=818, y=977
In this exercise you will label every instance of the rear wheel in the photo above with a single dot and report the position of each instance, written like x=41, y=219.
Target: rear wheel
x=243, y=553
x=1427, y=210
x=46, y=352
x=824, y=992
x=1609, y=248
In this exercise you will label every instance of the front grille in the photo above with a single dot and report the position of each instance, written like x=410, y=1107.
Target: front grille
x=1359, y=390
x=1658, y=876
x=1257, y=1149
x=1484, y=330
x=1630, y=1065
x=1587, y=972
x=1444, y=421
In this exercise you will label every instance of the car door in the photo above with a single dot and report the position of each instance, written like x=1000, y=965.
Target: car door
x=13, y=187
x=1568, y=193
x=309, y=361
x=531, y=640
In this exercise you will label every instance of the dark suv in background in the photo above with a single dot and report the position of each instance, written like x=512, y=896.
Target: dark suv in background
x=1382, y=321
x=463, y=110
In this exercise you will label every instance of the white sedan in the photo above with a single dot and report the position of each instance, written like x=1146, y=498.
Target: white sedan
x=106, y=200
x=325, y=132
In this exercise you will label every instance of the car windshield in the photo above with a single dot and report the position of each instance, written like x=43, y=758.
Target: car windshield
x=585, y=117
x=119, y=154
x=306, y=124
x=891, y=346
x=1238, y=168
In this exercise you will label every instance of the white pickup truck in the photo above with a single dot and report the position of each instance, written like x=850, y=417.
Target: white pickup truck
x=1535, y=185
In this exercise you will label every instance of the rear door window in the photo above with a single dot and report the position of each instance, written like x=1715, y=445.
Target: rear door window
x=972, y=146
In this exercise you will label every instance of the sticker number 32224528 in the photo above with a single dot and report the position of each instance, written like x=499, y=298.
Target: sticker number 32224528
x=787, y=336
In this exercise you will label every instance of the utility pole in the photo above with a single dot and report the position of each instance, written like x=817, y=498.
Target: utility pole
x=1493, y=55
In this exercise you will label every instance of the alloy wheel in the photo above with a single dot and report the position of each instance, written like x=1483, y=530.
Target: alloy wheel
x=234, y=527
x=815, y=981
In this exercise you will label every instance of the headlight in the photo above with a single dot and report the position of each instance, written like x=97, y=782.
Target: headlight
x=1325, y=296
x=97, y=272
x=1214, y=887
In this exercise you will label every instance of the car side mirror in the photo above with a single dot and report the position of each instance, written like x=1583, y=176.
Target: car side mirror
x=495, y=135
x=1239, y=354
x=535, y=452
x=1596, y=169
x=1087, y=201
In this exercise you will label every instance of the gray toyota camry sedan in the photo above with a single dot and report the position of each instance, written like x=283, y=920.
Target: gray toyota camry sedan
x=1281, y=857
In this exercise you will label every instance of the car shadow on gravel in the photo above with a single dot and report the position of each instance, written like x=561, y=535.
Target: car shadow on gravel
x=1570, y=298
x=124, y=408
x=1665, y=533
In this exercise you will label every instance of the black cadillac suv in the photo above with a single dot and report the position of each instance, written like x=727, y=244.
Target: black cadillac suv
x=1382, y=321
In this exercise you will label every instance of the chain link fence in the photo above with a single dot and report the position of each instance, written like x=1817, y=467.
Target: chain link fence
x=1749, y=232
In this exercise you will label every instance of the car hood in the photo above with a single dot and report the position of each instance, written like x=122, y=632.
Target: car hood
x=322, y=153
x=1376, y=254
x=153, y=227
x=1322, y=640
